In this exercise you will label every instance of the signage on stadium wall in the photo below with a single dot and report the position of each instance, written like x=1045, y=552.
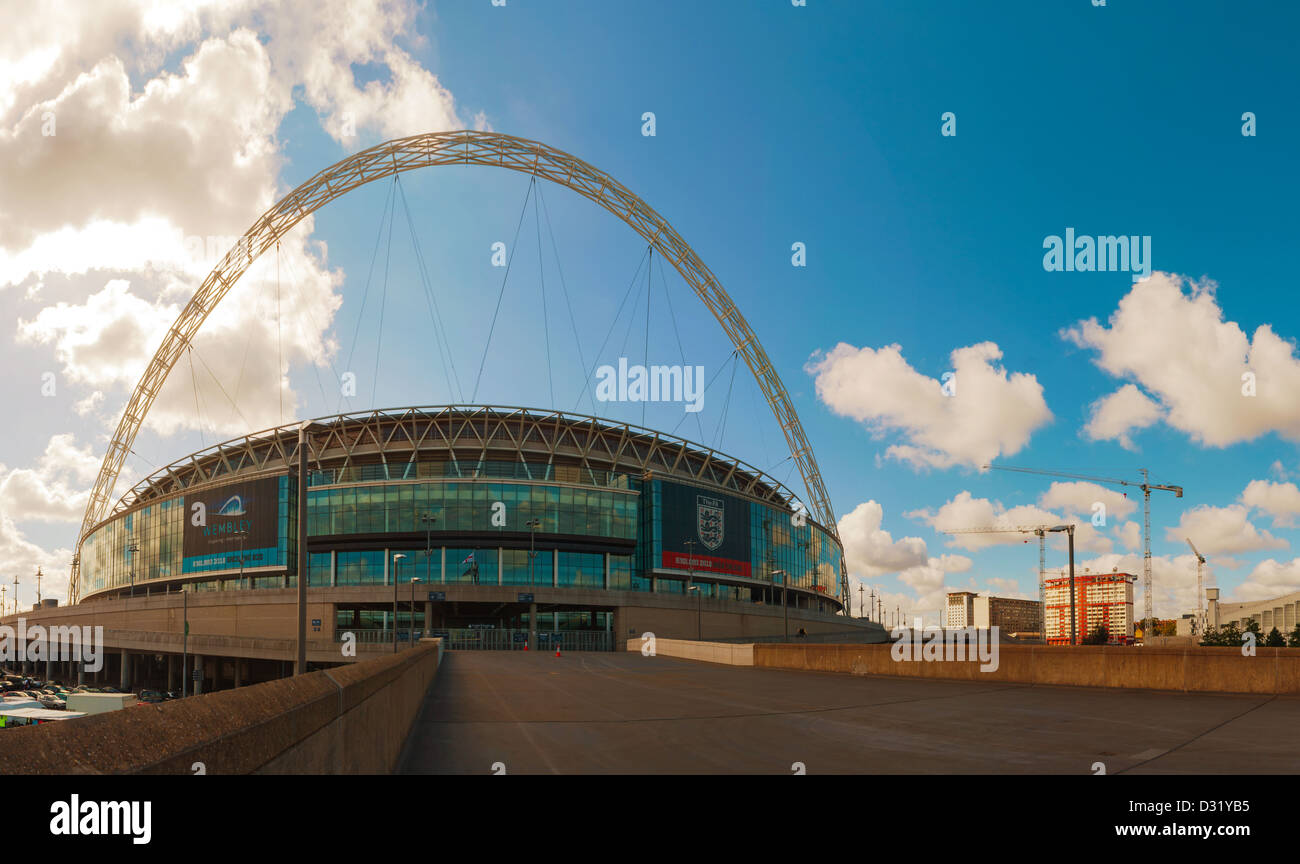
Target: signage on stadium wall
x=213, y=520
x=715, y=526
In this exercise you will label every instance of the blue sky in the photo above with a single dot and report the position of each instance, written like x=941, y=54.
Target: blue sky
x=821, y=124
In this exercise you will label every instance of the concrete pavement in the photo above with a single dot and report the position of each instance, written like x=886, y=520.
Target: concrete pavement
x=624, y=713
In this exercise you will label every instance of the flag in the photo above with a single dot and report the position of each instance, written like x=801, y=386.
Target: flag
x=469, y=559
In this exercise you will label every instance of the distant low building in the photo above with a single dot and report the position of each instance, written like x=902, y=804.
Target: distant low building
x=1281, y=612
x=960, y=611
x=1012, y=616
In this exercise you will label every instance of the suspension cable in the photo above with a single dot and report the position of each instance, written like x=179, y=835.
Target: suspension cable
x=198, y=415
x=726, y=405
x=595, y=360
x=577, y=340
x=383, y=299
x=546, y=320
x=279, y=346
x=721, y=366
x=303, y=302
x=645, y=358
x=680, y=348
x=365, y=293
x=431, y=301
x=510, y=259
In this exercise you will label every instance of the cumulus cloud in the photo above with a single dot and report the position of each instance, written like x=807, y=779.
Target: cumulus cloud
x=1210, y=379
x=1082, y=498
x=989, y=413
x=1113, y=417
x=1173, y=580
x=1279, y=500
x=869, y=550
x=138, y=140
x=54, y=490
x=1217, y=530
x=871, y=553
x=1130, y=534
x=966, y=511
x=1269, y=578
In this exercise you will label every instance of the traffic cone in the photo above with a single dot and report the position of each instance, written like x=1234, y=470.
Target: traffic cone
x=525, y=644
x=557, y=650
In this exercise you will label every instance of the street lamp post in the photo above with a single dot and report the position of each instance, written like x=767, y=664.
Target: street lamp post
x=690, y=562
x=398, y=557
x=428, y=519
x=699, y=612
x=242, y=534
x=185, y=643
x=133, y=548
x=414, y=579
x=533, y=525
x=785, y=602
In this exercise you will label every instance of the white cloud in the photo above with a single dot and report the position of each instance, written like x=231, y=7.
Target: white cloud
x=1173, y=580
x=965, y=511
x=1178, y=347
x=1217, y=530
x=1130, y=534
x=1113, y=417
x=1007, y=588
x=167, y=115
x=1279, y=500
x=1270, y=578
x=870, y=551
x=1080, y=498
x=990, y=413
x=55, y=489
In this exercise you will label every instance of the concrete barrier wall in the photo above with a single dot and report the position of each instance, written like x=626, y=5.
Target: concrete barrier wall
x=712, y=652
x=347, y=720
x=1222, y=670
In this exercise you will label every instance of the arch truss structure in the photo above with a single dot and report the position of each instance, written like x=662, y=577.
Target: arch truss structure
x=487, y=149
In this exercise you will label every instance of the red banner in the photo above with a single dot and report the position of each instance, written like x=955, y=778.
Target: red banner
x=704, y=564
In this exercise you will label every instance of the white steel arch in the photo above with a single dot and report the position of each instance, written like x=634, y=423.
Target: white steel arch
x=455, y=148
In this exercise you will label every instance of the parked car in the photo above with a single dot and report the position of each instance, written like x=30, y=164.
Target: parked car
x=49, y=700
x=152, y=696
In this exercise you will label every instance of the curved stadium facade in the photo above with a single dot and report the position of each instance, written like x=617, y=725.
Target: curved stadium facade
x=487, y=523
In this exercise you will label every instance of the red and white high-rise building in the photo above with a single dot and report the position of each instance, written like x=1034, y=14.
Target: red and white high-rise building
x=1101, y=600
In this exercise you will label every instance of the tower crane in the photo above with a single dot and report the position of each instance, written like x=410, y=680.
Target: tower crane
x=1146, y=486
x=1041, y=531
x=1200, y=605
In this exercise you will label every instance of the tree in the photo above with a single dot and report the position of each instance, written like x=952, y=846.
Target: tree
x=1098, y=636
x=1294, y=641
x=1275, y=639
x=1229, y=635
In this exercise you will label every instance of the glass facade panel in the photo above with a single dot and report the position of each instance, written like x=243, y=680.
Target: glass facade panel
x=579, y=510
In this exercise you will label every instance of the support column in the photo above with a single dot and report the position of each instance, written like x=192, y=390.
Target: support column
x=428, y=618
x=532, y=626
x=49, y=666
x=81, y=673
x=198, y=674
x=126, y=671
x=239, y=673
x=171, y=673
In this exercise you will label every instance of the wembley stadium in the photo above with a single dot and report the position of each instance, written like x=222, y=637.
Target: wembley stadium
x=487, y=526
